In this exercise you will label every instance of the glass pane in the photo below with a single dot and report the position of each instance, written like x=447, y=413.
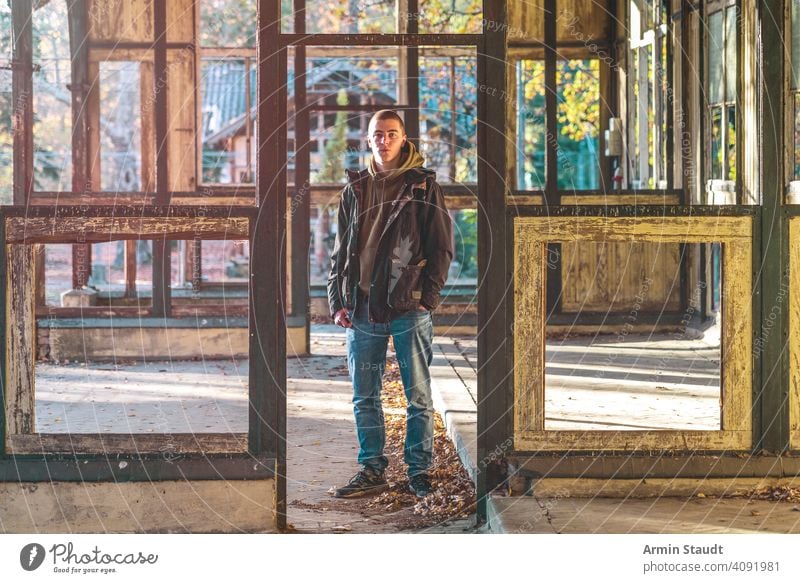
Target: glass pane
x=57, y=272
x=450, y=16
x=225, y=261
x=715, y=57
x=464, y=267
x=52, y=100
x=229, y=113
x=448, y=112
x=530, y=125
x=351, y=16
x=659, y=371
x=120, y=126
x=339, y=141
x=6, y=108
x=796, y=44
x=730, y=144
x=716, y=143
x=578, y=124
x=228, y=23
x=730, y=54
x=338, y=138
x=108, y=267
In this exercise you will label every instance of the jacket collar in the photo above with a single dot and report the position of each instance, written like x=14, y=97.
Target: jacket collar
x=412, y=176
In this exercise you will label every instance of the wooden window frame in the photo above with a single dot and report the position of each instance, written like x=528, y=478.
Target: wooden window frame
x=531, y=237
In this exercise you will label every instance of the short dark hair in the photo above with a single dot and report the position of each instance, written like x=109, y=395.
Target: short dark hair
x=385, y=114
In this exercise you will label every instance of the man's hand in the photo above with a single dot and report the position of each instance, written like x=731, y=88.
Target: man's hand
x=341, y=318
x=421, y=308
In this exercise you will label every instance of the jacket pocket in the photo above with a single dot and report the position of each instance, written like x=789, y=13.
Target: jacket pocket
x=407, y=293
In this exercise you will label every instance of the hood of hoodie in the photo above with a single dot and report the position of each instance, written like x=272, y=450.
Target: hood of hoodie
x=409, y=158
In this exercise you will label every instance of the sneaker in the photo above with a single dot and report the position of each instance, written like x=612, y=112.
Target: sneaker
x=420, y=485
x=367, y=481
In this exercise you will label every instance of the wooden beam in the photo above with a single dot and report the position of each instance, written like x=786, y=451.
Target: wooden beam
x=772, y=401
x=21, y=340
x=495, y=308
x=368, y=40
x=168, y=445
x=162, y=258
x=77, y=15
x=267, y=423
x=300, y=213
x=101, y=229
x=22, y=96
x=551, y=193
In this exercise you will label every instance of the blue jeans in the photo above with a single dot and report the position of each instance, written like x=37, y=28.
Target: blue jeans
x=366, y=360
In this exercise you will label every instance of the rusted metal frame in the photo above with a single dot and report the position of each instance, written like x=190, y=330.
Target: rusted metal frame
x=771, y=399
x=162, y=257
x=267, y=419
x=495, y=248
x=411, y=115
x=22, y=96
x=368, y=40
x=139, y=468
x=301, y=201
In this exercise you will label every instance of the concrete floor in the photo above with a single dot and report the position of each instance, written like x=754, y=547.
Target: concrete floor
x=598, y=383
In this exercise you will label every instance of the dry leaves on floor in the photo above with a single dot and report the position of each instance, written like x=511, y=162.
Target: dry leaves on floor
x=453, y=494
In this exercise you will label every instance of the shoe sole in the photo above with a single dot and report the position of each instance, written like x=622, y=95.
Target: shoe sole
x=365, y=492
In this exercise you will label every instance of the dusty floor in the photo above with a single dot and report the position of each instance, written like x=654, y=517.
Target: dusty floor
x=591, y=383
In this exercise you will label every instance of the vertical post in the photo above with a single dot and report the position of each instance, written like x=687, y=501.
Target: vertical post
x=81, y=181
x=301, y=203
x=453, y=127
x=551, y=194
x=162, y=259
x=495, y=309
x=771, y=399
x=130, y=268
x=22, y=94
x=411, y=115
x=79, y=55
x=267, y=433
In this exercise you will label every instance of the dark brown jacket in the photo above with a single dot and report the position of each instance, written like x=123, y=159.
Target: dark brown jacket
x=414, y=250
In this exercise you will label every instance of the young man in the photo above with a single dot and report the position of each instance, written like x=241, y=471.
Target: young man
x=389, y=263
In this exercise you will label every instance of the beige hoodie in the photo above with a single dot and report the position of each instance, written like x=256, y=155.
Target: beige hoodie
x=379, y=193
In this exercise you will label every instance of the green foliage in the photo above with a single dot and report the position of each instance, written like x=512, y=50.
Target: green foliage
x=336, y=146
x=466, y=235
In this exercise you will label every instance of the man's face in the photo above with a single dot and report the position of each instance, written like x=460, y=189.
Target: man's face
x=386, y=138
